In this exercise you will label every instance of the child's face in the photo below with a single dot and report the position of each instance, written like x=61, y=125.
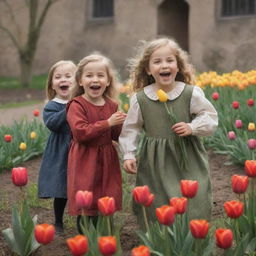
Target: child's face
x=94, y=80
x=62, y=80
x=163, y=67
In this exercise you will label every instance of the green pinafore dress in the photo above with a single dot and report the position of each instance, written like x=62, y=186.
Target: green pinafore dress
x=159, y=157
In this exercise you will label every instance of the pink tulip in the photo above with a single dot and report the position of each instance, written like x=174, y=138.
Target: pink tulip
x=250, y=102
x=215, y=96
x=19, y=176
x=231, y=135
x=235, y=104
x=83, y=199
x=239, y=124
x=251, y=144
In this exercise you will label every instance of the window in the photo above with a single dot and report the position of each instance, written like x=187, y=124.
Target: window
x=231, y=8
x=102, y=8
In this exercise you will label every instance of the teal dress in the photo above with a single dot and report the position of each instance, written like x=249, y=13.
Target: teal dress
x=159, y=157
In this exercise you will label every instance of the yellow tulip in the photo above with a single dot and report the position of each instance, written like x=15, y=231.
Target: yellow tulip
x=251, y=127
x=162, y=96
x=126, y=107
x=33, y=135
x=23, y=146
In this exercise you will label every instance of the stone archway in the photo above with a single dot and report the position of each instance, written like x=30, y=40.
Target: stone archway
x=173, y=21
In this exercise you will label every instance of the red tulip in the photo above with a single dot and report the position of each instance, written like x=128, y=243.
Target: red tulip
x=215, y=96
x=251, y=144
x=83, y=199
x=78, y=245
x=239, y=183
x=106, y=205
x=141, y=250
x=165, y=214
x=250, y=168
x=8, y=138
x=231, y=135
x=199, y=228
x=250, y=102
x=107, y=245
x=179, y=203
x=235, y=104
x=36, y=112
x=142, y=195
x=224, y=238
x=234, y=209
x=44, y=233
x=239, y=124
x=19, y=176
x=189, y=188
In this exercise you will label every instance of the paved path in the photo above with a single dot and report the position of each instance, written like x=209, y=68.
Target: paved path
x=8, y=116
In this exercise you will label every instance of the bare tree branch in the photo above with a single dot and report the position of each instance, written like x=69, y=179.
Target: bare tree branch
x=12, y=37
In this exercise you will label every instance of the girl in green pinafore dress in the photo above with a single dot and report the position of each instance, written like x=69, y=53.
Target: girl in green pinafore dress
x=164, y=65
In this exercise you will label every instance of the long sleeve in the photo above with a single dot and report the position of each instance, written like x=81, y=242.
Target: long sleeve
x=53, y=117
x=132, y=127
x=206, y=117
x=82, y=130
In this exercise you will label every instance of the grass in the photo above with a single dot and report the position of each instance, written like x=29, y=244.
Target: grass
x=38, y=82
x=19, y=104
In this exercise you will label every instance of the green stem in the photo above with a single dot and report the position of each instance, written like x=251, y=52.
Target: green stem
x=145, y=218
x=109, y=226
x=198, y=247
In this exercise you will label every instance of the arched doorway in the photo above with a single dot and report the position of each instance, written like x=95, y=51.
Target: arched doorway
x=173, y=21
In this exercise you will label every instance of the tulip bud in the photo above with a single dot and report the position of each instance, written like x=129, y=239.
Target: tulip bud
x=199, y=228
x=19, y=176
x=215, y=96
x=165, y=215
x=250, y=102
x=141, y=250
x=36, y=112
x=239, y=124
x=231, y=135
x=250, y=168
x=251, y=127
x=162, y=96
x=33, y=135
x=44, y=233
x=78, y=245
x=106, y=205
x=107, y=245
x=224, y=238
x=126, y=107
x=142, y=195
x=251, y=143
x=234, y=209
x=189, y=188
x=239, y=183
x=8, y=138
x=23, y=146
x=235, y=104
x=83, y=199
x=179, y=203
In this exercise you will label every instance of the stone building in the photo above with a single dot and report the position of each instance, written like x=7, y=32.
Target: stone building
x=218, y=34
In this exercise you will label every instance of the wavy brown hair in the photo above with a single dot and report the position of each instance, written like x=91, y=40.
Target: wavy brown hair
x=50, y=93
x=111, y=90
x=138, y=66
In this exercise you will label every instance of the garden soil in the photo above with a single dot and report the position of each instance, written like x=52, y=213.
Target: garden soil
x=9, y=194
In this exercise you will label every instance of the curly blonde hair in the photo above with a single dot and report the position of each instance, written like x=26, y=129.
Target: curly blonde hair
x=111, y=91
x=138, y=66
x=50, y=92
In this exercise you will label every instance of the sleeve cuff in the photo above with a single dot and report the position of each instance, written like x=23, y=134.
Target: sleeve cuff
x=129, y=156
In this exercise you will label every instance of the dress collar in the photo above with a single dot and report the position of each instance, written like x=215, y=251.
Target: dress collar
x=151, y=90
x=61, y=101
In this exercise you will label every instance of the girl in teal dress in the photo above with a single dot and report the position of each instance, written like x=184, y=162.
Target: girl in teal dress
x=162, y=64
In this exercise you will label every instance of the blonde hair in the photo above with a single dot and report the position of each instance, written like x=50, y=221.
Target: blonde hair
x=111, y=90
x=50, y=92
x=139, y=64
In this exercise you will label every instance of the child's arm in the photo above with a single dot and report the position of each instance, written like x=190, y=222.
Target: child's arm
x=206, y=120
x=53, y=118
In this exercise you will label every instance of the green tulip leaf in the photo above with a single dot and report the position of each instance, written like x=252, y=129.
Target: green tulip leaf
x=9, y=237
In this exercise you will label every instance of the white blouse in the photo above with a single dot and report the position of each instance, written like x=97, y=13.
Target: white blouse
x=204, y=123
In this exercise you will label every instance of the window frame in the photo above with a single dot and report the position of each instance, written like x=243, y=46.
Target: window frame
x=99, y=19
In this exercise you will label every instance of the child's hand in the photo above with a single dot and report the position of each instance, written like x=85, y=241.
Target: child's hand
x=182, y=129
x=130, y=166
x=117, y=118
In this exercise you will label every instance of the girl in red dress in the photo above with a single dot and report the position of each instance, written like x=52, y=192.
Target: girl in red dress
x=95, y=122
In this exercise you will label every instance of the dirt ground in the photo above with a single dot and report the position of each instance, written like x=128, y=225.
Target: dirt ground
x=220, y=174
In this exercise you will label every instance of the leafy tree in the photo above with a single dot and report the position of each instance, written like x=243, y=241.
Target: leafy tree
x=36, y=14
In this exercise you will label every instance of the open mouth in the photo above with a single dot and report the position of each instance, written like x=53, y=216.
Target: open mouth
x=165, y=74
x=95, y=87
x=64, y=88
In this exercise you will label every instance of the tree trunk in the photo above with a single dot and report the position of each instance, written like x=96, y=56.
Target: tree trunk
x=25, y=72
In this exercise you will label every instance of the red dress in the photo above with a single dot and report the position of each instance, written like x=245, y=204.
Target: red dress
x=93, y=162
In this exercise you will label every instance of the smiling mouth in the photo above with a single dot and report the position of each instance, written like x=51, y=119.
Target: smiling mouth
x=64, y=88
x=95, y=87
x=165, y=74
